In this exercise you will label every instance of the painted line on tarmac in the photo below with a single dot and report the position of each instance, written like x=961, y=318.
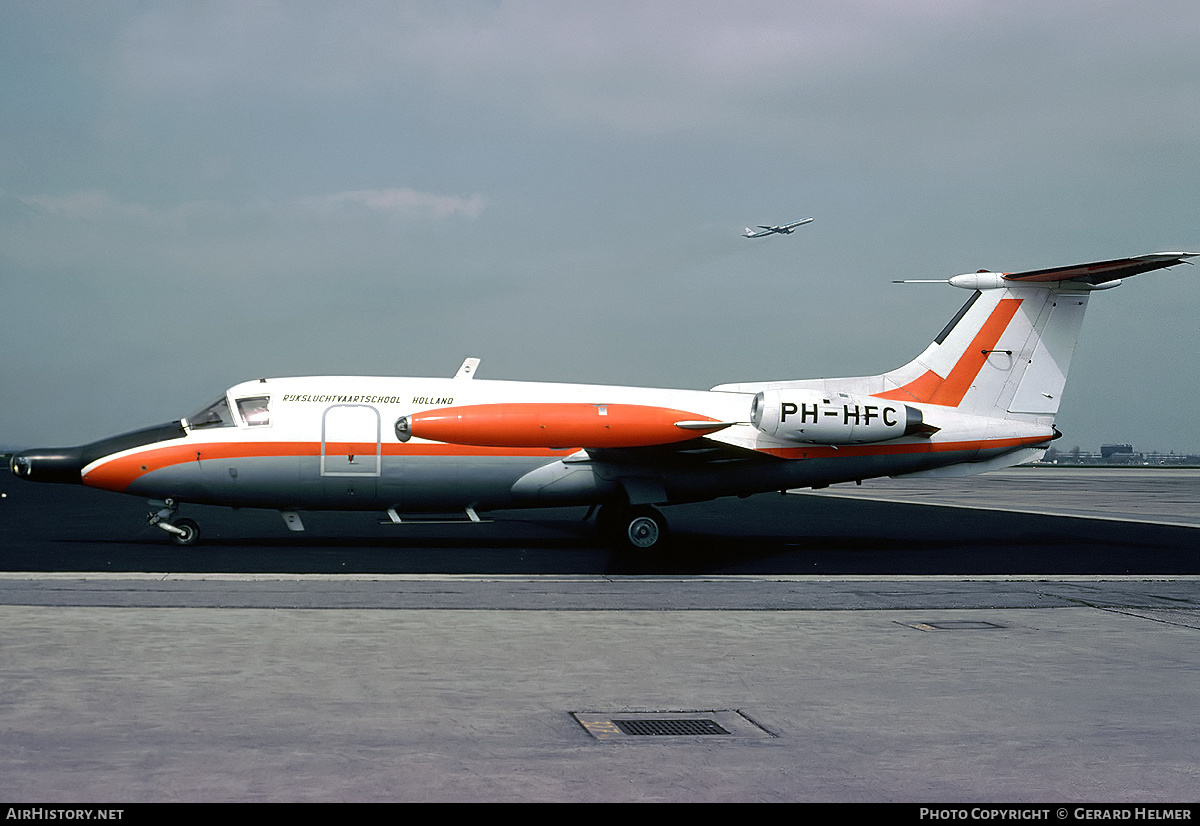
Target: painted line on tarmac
x=868, y=497
x=112, y=576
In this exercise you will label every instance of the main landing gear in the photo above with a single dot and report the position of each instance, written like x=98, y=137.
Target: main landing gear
x=182, y=531
x=641, y=528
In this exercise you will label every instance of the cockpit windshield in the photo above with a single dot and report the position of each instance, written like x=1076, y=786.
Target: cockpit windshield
x=213, y=415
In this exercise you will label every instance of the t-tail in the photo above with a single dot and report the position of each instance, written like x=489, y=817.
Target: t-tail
x=1005, y=354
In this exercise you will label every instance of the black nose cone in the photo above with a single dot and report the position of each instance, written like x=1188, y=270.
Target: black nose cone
x=66, y=464
x=49, y=464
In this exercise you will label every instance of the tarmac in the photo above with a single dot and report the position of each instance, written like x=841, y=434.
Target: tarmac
x=933, y=689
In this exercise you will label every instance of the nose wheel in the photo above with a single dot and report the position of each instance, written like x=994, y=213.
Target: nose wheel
x=182, y=531
x=191, y=532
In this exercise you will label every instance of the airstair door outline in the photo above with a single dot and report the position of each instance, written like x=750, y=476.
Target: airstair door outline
x=350, y=441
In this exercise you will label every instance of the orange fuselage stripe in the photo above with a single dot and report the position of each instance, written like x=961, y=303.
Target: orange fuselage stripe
x=118, y=474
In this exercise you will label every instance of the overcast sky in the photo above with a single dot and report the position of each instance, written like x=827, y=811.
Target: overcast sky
x=194, y=194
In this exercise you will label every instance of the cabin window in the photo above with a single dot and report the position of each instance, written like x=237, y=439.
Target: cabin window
x=254, y=410
x=214, y=415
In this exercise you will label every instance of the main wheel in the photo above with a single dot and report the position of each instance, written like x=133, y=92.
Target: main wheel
x=191, y=532
x=645, y=530
x=640, y=528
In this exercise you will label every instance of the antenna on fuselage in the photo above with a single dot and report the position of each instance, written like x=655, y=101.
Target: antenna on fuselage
x=467, y=370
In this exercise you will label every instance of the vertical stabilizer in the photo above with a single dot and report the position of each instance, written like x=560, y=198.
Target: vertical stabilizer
x=1009, y=351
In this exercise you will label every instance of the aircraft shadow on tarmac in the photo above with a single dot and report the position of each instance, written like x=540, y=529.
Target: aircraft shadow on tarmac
x=55, y=528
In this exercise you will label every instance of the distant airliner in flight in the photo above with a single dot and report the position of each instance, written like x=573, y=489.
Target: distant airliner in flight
x=786, y=229
x=983, y=395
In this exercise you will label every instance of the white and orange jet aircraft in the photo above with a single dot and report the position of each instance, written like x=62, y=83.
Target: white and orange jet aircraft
x=982, y=396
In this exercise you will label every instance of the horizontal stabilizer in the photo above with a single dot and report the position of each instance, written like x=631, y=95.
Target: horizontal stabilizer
x=1100, y=272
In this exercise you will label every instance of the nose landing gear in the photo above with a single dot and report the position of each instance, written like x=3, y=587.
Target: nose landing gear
x=182, y=531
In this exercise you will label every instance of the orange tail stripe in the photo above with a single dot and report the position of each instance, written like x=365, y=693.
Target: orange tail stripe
x=950, y=391
x=918, y=390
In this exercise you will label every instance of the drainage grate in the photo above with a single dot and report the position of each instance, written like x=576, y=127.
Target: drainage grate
x=668, y=727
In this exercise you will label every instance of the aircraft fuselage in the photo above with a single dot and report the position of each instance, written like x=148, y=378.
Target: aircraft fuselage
x=333, y=443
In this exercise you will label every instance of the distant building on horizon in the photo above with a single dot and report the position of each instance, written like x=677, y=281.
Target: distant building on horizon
x=1116, y=454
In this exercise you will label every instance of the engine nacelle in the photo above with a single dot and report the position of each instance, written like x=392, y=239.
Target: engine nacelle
x=831, y=418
